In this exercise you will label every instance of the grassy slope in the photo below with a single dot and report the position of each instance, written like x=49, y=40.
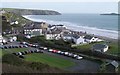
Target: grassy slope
x=50, y=60
x=113, y=47
x=43, y=58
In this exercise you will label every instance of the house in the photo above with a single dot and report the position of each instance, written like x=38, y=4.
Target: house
x=67, y=37
x=54, y=34
x=89, y=38
x=78, y=39
x=32, y=30
x=112, y=66
x=100, y=47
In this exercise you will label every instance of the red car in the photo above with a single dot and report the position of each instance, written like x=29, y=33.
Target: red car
x=55, y=51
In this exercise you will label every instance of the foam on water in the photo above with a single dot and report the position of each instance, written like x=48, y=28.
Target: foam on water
x=91, y=30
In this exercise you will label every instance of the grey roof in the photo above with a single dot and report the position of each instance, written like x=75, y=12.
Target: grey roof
x=114, y=63
x=88, y=37
x=76, y=36
x=56, y=31
x=99, y=46
x=67, y=35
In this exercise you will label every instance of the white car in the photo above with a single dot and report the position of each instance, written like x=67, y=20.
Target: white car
x=75, y=55
x=70, y=54
x=79, y=57
x=45, y=48
x=19, y=53
x=59, y=52
x=62, y=53
x=66, y=53
x=50, y=50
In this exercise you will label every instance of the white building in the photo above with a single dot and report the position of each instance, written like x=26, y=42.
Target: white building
x=78, y=39
x=33, y=32
x=90, y=39
x=53, y=35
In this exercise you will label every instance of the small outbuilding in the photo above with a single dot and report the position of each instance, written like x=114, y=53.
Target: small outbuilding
x=100, y=47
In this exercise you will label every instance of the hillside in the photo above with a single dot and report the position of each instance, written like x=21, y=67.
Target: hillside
x=31, y=11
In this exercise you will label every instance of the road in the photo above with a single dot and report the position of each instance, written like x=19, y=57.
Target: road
x=82, y=65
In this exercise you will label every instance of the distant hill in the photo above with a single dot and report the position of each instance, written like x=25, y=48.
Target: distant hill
x=110, y=14
x=31, y=11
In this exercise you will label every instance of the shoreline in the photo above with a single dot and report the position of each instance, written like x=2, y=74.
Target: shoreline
x=90, y=30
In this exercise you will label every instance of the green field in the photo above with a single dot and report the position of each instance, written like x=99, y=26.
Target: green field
x=50, y=60
x=43, y=58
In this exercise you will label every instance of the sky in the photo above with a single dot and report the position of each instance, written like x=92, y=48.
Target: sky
x=90, y=6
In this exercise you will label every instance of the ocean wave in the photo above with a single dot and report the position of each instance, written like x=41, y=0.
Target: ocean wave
x=76, y=27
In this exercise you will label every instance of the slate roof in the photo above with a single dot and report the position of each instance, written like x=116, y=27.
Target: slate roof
x=99, y=46
x=114, y=63
x=76, y=36
x=88, y=37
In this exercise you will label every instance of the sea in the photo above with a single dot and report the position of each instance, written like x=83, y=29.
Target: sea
x=101, y=25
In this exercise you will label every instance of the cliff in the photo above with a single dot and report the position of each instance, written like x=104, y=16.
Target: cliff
x=31, y=11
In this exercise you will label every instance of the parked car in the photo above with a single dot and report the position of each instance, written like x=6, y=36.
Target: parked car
x=66, y=53
x=26, y=52
x=15, y=53
x=19, y=53
x=58, y=52
x=21, y=56
x=74, y=55
x=21, y=46
x=70, y=54
x=23, y=53
x=25, y=46
x=55, y=51
x=32, y=51
x=79, y=57
x=62, y=53
x=42, y=48
x=6, y=47
x=2, y=47
x=50, y=50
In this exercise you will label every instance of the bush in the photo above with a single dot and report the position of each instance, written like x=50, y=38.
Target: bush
x=12, y=59
x=37, y=65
